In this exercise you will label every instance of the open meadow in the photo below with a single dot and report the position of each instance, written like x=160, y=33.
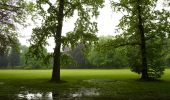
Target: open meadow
x=93, y=84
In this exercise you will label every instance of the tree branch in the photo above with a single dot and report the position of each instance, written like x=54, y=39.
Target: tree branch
x=6, y=7
x=124, y=44
x=73, y=6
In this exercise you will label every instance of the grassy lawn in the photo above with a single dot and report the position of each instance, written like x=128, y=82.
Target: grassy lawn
x=117, y=84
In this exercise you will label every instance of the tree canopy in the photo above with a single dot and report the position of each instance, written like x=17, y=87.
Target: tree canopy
x=145, y=28
x=52, y=25
x=12, y=12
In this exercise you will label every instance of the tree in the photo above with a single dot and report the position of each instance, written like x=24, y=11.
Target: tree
x=53, y=23
x=24, y=50
x=145, y=28
x=142, y=41
x=3, y=60
x=77, y=57
x=32, y=63
x=14, y=55
x=12, y=12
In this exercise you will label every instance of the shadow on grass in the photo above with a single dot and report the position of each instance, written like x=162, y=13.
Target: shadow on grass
x=58, y=82
x=151, y=80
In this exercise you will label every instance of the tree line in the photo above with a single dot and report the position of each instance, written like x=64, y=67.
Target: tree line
x=99, y=55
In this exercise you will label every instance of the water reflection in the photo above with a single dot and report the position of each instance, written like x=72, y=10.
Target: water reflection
x=35, y=96
x=83, y=92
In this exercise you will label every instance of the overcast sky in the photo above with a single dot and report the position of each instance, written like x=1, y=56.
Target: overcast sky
x=107, y=22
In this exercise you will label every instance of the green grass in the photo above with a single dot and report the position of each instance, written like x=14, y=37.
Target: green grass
x=118, y=84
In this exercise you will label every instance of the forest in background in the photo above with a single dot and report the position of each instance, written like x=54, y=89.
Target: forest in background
x=97, y=55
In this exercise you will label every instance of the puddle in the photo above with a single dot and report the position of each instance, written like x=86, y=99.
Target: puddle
x=80, y=93
x=35, y=96
x=84, y=92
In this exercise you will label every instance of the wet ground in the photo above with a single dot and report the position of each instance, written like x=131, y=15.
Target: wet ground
x=77, y=95
x=74, y=93
x=92, y=89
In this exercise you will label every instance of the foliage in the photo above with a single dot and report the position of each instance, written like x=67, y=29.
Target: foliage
x=14, y=55
x=104, y=56
x=12, y=12
x=52, y=25
x=156, y=28
x=84, y=29
x=32, y=62
x=66, y=60
x=11, y=57
x=78, y=56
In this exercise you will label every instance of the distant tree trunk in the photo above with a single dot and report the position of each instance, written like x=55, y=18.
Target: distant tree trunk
x=56, y=64
x=143, y=44
x=3, y=61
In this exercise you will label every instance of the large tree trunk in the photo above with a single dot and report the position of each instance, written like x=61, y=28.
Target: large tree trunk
x=56, y=63
x=142, y=45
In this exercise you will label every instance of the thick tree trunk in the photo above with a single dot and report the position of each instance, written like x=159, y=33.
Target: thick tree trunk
x=143, y=45
x=56, y=63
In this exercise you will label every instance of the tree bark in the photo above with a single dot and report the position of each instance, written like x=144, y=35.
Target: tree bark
x=56, y=63
x=143, y=44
